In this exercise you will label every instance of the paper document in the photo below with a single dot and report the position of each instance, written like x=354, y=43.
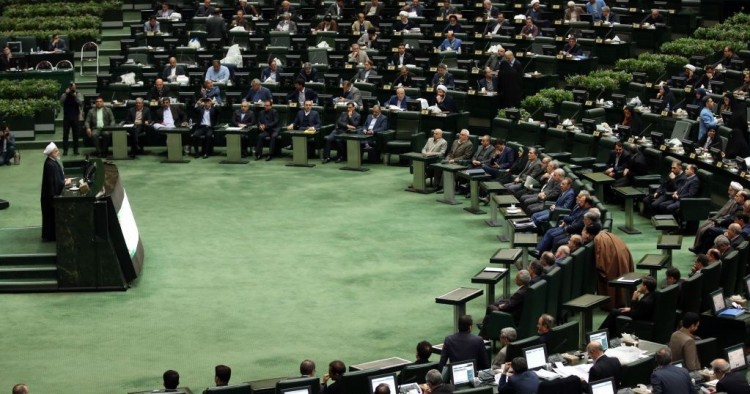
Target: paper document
x=580, y=370
x=544, y=374
x=624, y=279
x=495, y=269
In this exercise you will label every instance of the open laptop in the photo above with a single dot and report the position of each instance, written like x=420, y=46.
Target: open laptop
x=462, y=373
x=719, y=306
x=602, y=336
x=604, y=386
x=388, y=378
x=536, y=356
x=736, y=357
x=296, y=390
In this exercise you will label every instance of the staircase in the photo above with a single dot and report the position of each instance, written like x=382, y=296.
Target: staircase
x=20, y=273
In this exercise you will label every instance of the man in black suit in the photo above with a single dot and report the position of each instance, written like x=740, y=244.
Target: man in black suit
x=603, y=366
x=205, y=124
x=443, y=101
x=641, y=306
x=510, y=75
x=618, y=160
x=169, y=117
x=336, y=369
x=689, y=188
x=664, y=193
x=464, y=346
x=488, y=84
x=401, y=57
x=244, y=117
x=159, y=90
x=670, y=379
x=205, y=9
x=140, y=117
x=216, y=27
x=729, y=382
x=301, y=94
x=268, y=127
x=306, y=119
x=171, y=380
x=512, y=305
x=172, y=70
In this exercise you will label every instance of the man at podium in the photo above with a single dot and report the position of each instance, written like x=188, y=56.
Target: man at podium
x=53, y=182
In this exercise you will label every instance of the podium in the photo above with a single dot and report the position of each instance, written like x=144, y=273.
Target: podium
x=98, y=244
x=299, y=147
x=234, y=143
x=174, y=144
x=419, y=162
x=449, y=182
x=354, y=151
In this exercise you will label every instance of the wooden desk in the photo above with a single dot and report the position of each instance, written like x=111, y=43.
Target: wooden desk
x=174, y=143
x=598, y=179
x=493, y=188
x=524, y=241
x=390, y=364
x=419, y=163
x=234, y=143
x=490, y=276
x=474, y=189
x=629, y=281
x=653, y=263
x=506, y=257
x=458, y=298
x=119, y=142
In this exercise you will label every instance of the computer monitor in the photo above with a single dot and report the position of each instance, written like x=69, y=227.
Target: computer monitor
x=300, y=390
x=657, y=105
x=551, y=119
x=604, y=386
x=602, y=336
x=462, y=373
x=692, y=111
x=716, y=154
x=737, y=64
x=624, y=132
x=15, y=46
x=303, y=385
x=536, y=356
x=657, y=139
x=414, y=105
x=586, y=18
x=688, y=146
x=736, y=357
x=717, y=301
x=588, y=125
x=389, y=379
x=580, y=96
x=549, y=50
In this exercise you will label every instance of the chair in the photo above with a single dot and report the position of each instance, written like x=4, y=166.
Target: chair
x=553, y=278
x=515, y=349
x=742, y=260
x=501, y=128
x=280, y=39
x=317, y=56
x=567, y=385
x=603, y=148
x=711, y=279
x=571, y=110
x=242, y=388
x=598, y=114
x=529, y=314
x=728, y=277
x=661, y=327
x=415, y=373
x=638, y=372
x=695, y=209
x=557, y=144
x=398, y=141
x=690, y=294
x=566, y=278
x=581, y=149
x=313, y=382
x=578, y=265
x=683, y=129
x=563, y=338
x=527, y=134
x=636, y=89
x=708, y=350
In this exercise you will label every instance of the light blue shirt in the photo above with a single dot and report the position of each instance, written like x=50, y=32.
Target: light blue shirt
x=221, y=76
x=706, y=121
x=595, y=9
x=455, y=45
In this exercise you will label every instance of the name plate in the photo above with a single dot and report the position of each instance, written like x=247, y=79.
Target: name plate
x=433, y=69
x=519, y=36
x=477, y=5
x=517, y=6
x=598, y=23
x=429, y=89
x=478, y=52
x=475, y=70
x=440, y=19
x=397, y=33
x=292, y=105
x=436, y=50
x=665, y=113
x=743, y=174
x=559, y=56
x=596, y=133
x=719, y=164
x=632, y=9
x=631, y=140
x=692, y=156
x=471, y=92
x=520, y=54
x=391, y=67
x=438, y=34
x=425, y=112
x=558, y=22
x=387, y=86
x=599, y=40
x=588, y=103
x=688, y=89
x=348, y=66
x=636, y=25
x=649, y=85
x=519, y=22
x=479, y=19
x=394, y=49
x=662, y=147
x=556, y=6
x=559, y=38
x=478, y=35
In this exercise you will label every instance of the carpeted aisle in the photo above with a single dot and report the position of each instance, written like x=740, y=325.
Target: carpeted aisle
x=255, y=266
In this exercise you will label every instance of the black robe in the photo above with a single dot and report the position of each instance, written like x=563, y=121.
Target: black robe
x=53, y=182
x=510, y=83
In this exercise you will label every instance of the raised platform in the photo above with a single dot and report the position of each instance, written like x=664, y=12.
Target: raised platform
x=26, y=263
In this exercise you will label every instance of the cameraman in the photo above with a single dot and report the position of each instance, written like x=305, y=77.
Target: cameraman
x=72, y=102
x=7, y=145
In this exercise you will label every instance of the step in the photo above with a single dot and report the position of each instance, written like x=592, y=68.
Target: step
x=28, y=259
x=27, y=285
x=39, y=272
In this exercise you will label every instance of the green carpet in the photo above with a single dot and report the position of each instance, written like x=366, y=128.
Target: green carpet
x=255, y=266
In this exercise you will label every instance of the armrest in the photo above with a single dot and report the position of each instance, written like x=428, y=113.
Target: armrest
x=643, y=180
x=555, y=215
x=561, y=156
x=695, y=208
x=385, y=136
x=599, y=167
x=641, y=328
x=496, y=321
x=585, y=162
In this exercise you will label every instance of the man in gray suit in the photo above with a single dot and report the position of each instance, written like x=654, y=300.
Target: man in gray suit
x=460, y=151
x=216, y=26
x=351, y=94
x=549, y=192
x=348, y=122
x=98, y=118
x=533, y=169
x=481, y=157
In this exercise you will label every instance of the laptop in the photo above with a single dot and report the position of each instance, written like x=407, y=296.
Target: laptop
x=602, y=336
x=536, y=356
x=389, y=379
x=462, y=373
x=604, y=386
x=719, y=306
x=736, y=357
x=296, y=390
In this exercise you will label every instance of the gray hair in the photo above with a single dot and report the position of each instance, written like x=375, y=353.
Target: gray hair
x=663, y=356
x=721, y=240
x=433, y=378
x=510, y=333
x=721, y=365
x=524, y=276
x=584, y=192
x=465, y=132
x=560, y=172
x=255, y=82
x=592, y=215
x=555, y=163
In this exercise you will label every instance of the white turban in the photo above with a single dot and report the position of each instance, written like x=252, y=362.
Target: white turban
x=50, y=148
x=442, y=87
x=690, y=67
x=736, y=186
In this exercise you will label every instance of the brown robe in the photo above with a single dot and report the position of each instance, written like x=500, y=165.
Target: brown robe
x=613, y=259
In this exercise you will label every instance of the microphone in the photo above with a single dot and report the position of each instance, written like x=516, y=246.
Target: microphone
x=531, y=60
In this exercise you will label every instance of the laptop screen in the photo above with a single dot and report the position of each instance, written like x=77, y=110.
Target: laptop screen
x=304, y=390
x=747, y=283
x=717, y=300
x=462, y=373
x=736, y=357
x=389, y=379
x=536, y=356
x=605, y=386
x=601, y=336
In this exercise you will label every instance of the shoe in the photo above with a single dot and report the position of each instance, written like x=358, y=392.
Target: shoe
x=257, y=158
x=326, y=160
x=693, y=250
x=484, y=200
x=534, y=253
x=205, y=156
x=268, y=158
x=339, y=159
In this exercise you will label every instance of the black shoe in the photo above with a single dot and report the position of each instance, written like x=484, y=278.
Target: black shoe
x=339, y=159
x=205, y=156
x=484, y=200
x=534, y=253
x=326, y=160
x=693, y=250
x=268, y=158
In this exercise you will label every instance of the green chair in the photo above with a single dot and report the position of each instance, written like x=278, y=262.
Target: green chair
x=661, y=327
x=582, y=150
x=399, y=141
x=638, y=372
x=744, y=254
x=639, y=90
x=527, y=134
x=529, y=314
x=710, y=282
x=280, y=39
x=566, y=279
x=690, y=294
x=317, y=56
x=728, y=277
x=515, y=348
x=501, y=128
x=563, y=338
x=603, y=149
x=571, y=110
x=554, y=279
x=557, y=144
x=578, y=265
x=708, y=350
x=415, y=373
x=598, y=114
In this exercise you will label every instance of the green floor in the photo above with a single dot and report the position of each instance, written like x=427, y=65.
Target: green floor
x=255, y=266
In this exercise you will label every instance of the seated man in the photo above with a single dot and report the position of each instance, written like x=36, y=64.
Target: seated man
x=451, y=43
x=654, y=17
x=286, y=24
x=357, y=55
x=268, y=127
x=348, y=122
x=460, y=150
x=140, y=117
x=434, y=383
x=549, y=191
x=300, y=94
x=171, y=380
x=152, y=25
x=398, y=100
x=532, y=169
x=244, y=117
x=7, y=146
x=159, y=90
x=436, y=145
x=402, y=57
x=56, y=44
x=308, y=73
x=664, y=192
x=443, y=77
x=488, y=84
x=350, y=94
x=518, y=379
x=424, y=351
x=494, y=28
x=565, y=200
x=570, y=224
x=204, y=128
x=544, y=326
x=514, y=304
x=668, y=378
x=463, y=345
x=172, y=70
x=168, y=117
x=502, y=160
x=336, y=370
x=211, y=92
x=618, y=161
x=365, y=74
x=530, y=29
x=572, y=48
x=222, y=374
x=217, y=72
x=602, y=367
x=98, y=118
x=716, y=224
x=375, y=123
x=689, y=188
x=443, y=101
x=729, y=382
x=641, y=306
x=257, y=92
x=507, y=335
x=682, y=342
x=271, y=72
x=306, y=119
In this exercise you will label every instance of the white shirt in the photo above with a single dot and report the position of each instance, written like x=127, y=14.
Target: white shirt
x=372, y=123
x=168, y=120
x=206, y=121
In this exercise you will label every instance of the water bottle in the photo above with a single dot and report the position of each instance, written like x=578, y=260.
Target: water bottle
x=190, y=123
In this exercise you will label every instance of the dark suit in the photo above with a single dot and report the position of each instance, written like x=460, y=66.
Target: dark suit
x=491, y=25
x=504, y=161
x=138, y=129
x=53, y=183
x=605, y=367
x=511, y=77
x=261, y=94
x=267, y=73
x=493, y=82
x=671, y=380
x=572, y=221
x=618, y=165
x=513, y=305
x=270, y=119
x=689, y=188
x=642, y=309
x=611, y=18
x=204, y=11
x=177, y=115
x=733, y=383
x=394, y=101
x=157, y=94
x=714, y=143
x=447, y=105
x=664, y=193
x=303, y=122
x=574, y=50
x=396, y=59
x=246, y=118
x=310, y=94
x=205, y=130
x=179, y=70
x=216, y=27
x=447, y=80
x=541, y=214
x=360, y=76
x=464, y=346
x=523, y=383
x=341, y=128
